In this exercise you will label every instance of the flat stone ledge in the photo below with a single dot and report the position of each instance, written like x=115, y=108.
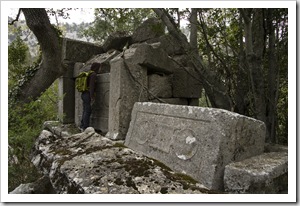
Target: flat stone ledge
x=263, y=174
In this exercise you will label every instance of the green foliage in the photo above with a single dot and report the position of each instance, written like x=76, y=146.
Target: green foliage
x=221, y=43
x=24, y=125
x=108, y=21
x=18, y=57
x=25, y=120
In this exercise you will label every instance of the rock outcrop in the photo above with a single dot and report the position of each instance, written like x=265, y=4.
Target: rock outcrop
x=90, y=163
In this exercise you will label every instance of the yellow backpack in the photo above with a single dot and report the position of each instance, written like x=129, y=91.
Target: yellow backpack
x=81, y=81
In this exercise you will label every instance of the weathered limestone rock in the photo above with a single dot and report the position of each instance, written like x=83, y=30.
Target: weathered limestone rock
x=149, y=29
x=160, y=86
x=116, y=41
x=91, y=164
x=156, y=60
x=128, y=86
x=186, y=83
x=196, y=141
x=79, y=51
x=266, y=173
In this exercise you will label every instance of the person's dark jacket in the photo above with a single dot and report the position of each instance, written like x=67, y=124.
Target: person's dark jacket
x=92, y=84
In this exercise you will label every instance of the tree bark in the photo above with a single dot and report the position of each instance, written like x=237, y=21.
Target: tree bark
x=214, y=88
x=272, y=74
x=193, y=36
x=242, y=84
x=254, y=40
x=51, y=66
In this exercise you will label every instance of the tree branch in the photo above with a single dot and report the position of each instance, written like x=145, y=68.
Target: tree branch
x=16, y=19
x=51, y=66
x=215, y=89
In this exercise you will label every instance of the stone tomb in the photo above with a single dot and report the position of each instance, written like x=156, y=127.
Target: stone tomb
x=196, y=141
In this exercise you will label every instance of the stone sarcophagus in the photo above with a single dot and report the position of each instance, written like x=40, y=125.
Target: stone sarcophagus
x=196, y=141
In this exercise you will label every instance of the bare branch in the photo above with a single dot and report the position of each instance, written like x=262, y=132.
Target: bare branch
x=16, y=19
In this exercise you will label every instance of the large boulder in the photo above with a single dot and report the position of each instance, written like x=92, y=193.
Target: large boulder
x=92, y=164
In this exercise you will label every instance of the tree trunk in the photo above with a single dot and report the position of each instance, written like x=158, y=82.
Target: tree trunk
x=254, y=38
x=272, y=74
x=51, y=66
x=193, y=36
x=214, y=88
x=242, y=102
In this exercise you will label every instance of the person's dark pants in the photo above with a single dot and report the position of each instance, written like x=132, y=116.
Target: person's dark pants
x=87, y=109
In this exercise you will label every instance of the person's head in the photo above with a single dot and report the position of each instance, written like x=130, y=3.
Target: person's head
x=95, y=67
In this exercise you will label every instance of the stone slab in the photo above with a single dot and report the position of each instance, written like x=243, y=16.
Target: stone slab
x=193, y=140
x=156, y=60
x=99, y=117
x=169, y=44
x=66, y=104
x=116, y=41
x=149, y=29
x=160, y=86
x=79, y=51
x=104, y=59
x=124, y=92
x=263, y=174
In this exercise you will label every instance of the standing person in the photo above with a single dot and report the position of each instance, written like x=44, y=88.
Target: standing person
x=88, y=97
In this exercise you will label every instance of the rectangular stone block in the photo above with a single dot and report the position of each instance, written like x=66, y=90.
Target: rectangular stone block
x=104, y=59
x=196, y=141
x=156, y=60
x=78, y=107
x=66, y=104
x=125, y=89
x=263, y=174
x=99, y=117
x=77, y=68
x=159, y=86
x=185, y=83
x=79, y=51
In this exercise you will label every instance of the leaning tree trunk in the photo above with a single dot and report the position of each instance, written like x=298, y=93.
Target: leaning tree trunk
x=214, y=88
x=50, y=67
